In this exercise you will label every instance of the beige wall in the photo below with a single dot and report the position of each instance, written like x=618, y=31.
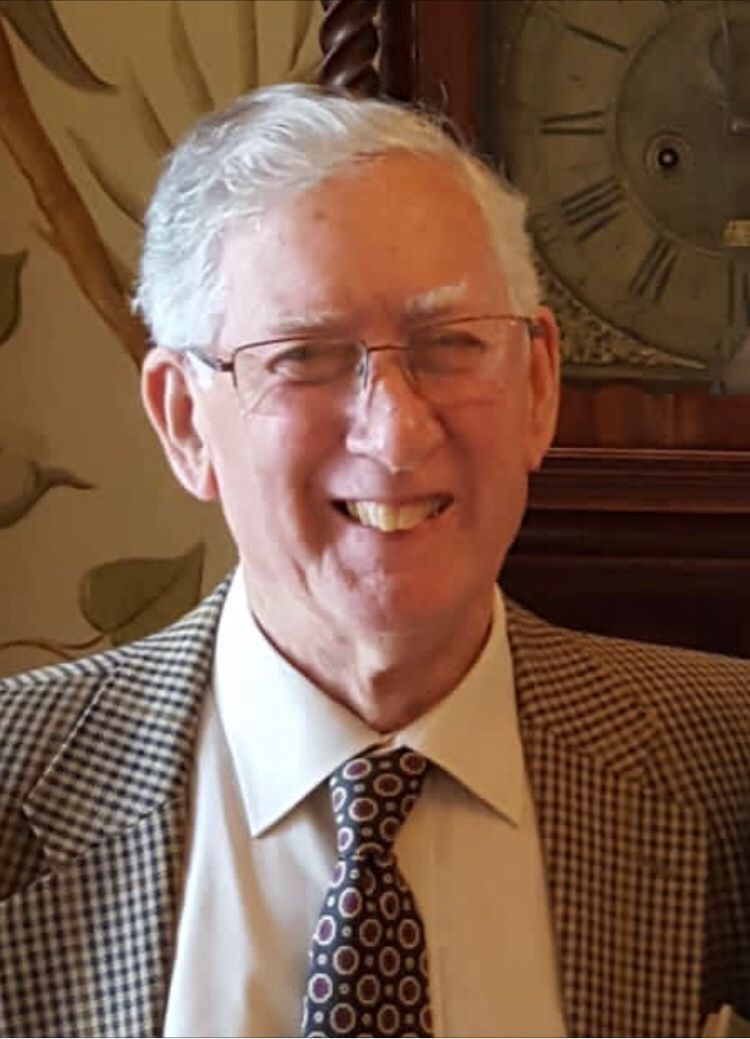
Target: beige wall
x=68, y=389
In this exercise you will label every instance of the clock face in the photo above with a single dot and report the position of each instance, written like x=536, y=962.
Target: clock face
x=627, y=125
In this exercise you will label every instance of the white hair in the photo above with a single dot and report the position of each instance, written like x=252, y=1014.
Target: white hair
x=289, y=137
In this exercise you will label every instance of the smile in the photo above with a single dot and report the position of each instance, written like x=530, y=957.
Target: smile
x=391, y=518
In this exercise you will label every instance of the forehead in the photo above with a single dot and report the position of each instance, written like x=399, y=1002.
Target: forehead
x=398, y=233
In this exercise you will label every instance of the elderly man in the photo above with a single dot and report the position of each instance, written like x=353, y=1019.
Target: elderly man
x=355, y=792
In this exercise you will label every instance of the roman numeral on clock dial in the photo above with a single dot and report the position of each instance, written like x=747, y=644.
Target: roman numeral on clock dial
x=654, y=271
x=574, y=124
x=593, y=207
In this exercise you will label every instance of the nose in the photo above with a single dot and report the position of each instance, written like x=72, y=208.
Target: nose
x=389, y=421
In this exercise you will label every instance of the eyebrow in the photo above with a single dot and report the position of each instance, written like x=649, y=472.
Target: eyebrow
x=435, y=302
x=431, y=303
x=309, y=324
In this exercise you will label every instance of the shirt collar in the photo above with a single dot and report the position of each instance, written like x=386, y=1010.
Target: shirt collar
x=286, y=736
x=473, y=732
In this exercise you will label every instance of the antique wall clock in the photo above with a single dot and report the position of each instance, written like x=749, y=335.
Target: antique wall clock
x=627, y=125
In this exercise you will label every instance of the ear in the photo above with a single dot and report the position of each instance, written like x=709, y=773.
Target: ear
x=170, y=398
x=544, y=387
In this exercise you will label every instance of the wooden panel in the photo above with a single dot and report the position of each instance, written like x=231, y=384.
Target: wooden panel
x=674, y=482
x=661, y=578
x=430, y=54
x=627, y=416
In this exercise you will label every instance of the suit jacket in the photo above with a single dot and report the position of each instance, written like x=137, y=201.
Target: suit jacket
x=639, y=759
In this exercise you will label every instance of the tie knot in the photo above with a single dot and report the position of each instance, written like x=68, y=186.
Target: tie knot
x=372, y=794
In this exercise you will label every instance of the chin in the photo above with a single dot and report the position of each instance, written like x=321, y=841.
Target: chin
x=399, y=609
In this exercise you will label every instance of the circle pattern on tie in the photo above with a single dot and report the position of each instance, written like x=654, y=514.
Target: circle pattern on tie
x=368, y=959
x=371, y=798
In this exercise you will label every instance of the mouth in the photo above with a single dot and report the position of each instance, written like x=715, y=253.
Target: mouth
x=391, y=518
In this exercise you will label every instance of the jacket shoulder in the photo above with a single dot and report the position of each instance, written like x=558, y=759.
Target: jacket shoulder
x=688, y=671
x=39, y=708
x=699, y=701
x=659, y=670
x=103, y=706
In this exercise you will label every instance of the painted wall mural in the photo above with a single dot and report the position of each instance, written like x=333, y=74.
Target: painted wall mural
x=98, y=545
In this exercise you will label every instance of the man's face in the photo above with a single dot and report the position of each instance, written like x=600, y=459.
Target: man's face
x=357, y=256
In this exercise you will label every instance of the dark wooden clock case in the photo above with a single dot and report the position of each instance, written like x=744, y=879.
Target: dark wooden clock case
x=639, y=522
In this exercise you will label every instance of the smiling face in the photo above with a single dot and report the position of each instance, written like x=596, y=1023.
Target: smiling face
x=379, y=514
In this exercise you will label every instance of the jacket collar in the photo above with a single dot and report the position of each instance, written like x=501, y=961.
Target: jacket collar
x=565, y=686
x=625, y=852
x=130, y=750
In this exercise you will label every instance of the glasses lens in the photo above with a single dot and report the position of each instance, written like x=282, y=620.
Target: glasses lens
x=447, y=363
x=313, y=362
x=295, y=373
x=464, y=361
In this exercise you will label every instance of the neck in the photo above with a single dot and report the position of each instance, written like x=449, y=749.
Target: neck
x=388, y=680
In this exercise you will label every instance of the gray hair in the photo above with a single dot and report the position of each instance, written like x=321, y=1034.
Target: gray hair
x=289, y=137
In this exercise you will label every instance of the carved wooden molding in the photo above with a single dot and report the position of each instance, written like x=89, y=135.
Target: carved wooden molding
x=643, y=480
x=678, y=578
x=349, y=43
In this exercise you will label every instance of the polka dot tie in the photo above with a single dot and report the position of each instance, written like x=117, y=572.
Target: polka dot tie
x=368, y=960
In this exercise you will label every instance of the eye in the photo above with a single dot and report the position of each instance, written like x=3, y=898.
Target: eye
x=471, y=334
x=456, y=339
x=313, y=361
x=447, y=349
x=299, y=354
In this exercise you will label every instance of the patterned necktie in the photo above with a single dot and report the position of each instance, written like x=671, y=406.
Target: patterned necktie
x=368, y=959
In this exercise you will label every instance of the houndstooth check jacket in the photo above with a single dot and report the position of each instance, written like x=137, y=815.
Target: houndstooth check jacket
x=639, y=759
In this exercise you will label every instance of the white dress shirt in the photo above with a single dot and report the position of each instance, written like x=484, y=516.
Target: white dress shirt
x=262, y=848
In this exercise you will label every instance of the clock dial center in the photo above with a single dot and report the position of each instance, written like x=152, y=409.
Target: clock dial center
x=668, y=158
x=682, y=91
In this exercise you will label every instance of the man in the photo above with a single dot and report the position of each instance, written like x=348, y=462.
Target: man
x=203, y=833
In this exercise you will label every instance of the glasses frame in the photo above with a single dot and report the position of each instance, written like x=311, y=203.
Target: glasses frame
x=223, y=365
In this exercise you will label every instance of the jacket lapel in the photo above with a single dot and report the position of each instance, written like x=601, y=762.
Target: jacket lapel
x=93, y=936
x=625, y=860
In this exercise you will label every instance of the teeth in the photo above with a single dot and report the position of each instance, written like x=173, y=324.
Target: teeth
x=389, y=518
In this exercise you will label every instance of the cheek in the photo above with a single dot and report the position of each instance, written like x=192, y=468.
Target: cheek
x=270, y=479
x=512, y=430
x=493, y=436
x=494, y=467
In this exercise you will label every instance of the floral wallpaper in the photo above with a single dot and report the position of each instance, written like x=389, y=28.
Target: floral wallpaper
x=98, y=544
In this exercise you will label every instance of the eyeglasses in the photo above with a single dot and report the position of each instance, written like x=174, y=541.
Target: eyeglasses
x=447, y=362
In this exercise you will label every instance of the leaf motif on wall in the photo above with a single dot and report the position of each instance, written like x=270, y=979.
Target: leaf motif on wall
x=302, y=20
x=124, y=274
x=186, y=64
x=153, y=129
x=23, y=482
x=10, y=292
x=305, y=73
x=113, y=186
x=130, y=598
x=42, y=31
x=71, y=226
x=248, y=39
